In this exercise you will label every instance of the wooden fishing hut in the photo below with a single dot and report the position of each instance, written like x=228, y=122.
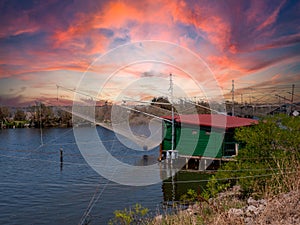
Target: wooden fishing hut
x=202, y=139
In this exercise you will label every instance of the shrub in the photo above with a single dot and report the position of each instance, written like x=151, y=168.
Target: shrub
x=190, y=196
x=129, y=216
x=269, y=157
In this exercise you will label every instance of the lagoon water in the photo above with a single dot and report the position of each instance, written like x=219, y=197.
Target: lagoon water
x=35, y=188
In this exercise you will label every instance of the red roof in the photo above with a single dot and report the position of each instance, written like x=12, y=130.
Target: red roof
x=213, y=120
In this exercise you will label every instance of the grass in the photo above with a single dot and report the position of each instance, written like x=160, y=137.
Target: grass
x=281, y=208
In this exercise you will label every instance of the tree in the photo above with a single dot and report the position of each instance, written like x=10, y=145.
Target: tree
x=165, y=103
x=47, y=116
x=203, y=110
x=19, y=115
x=43, y=116
x=65, y=118
x=4, y=113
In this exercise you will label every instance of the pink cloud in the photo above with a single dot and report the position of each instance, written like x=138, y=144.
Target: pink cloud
x=280, y=42
x=272, y=18
x=275, y=77
x=21, y=24
x=25, y=73
x=229, y=37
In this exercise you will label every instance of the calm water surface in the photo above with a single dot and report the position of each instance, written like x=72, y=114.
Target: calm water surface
x=36, y=189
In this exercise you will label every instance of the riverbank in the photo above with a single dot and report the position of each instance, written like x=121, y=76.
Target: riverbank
x=26, y=124
x=230, y=208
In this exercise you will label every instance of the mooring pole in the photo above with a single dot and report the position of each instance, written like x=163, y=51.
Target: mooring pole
x=61, y=158
x=61, y=155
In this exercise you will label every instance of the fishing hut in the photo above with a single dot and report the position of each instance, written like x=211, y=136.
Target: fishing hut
x=201, y=139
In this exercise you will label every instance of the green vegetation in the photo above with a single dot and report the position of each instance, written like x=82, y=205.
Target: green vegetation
x=132, y=215
x=268, y=161
x=190, y=196
x=213, y=187
x=4, y=113
x=34, y=116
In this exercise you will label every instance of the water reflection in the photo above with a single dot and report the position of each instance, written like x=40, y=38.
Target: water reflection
x=178, y=185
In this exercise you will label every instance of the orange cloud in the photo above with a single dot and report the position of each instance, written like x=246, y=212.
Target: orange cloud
x=155, y=21
x=230, y=38
x=116, y=15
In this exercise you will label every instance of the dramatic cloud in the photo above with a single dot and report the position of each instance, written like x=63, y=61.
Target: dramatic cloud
x=238, y=39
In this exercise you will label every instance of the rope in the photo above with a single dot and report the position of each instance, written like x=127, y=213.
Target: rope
x=93, y=201
x=227, y=178
x=115, y=184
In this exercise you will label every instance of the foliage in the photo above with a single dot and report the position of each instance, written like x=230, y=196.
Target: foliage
x=203, y=110
x=201, y=107
x=20, y=115
x=190, y=196
x=129, y=216
x=269, y=154
x=4, y=113
x=64, y=118
x=165, y=103
x=44, y=116
x=38, y=115
x=213, y=187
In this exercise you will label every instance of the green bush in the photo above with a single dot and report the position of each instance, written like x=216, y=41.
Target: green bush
x=213, y=187
x=190, y=196
x=129, y=216
x=268, y=156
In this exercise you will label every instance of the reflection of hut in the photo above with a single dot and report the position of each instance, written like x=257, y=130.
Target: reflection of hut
x=176, y=186
x=202, y=136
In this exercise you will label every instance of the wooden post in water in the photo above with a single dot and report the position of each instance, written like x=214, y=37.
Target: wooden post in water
x=61, y=158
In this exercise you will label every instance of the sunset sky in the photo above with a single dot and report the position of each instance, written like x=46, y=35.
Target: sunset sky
x=43, y=43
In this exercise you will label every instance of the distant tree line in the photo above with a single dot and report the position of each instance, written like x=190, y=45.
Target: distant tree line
x=200, y=107
x=34, y=116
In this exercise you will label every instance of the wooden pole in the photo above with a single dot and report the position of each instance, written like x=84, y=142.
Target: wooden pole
x=61, y=158
x=61, y=155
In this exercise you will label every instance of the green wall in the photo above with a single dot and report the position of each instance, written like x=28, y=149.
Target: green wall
x=197, y=141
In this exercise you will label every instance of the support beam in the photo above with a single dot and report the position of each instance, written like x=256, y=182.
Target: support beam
x=186, y=163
